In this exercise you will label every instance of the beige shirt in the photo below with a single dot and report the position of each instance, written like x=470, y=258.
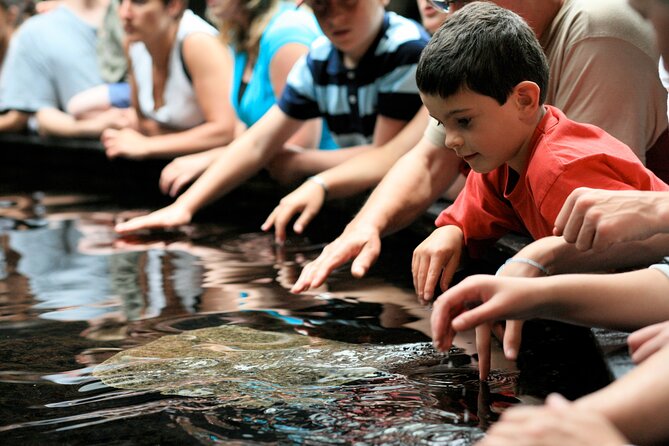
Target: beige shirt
x=603, y=71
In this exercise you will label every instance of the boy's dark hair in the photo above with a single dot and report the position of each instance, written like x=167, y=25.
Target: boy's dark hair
x=487, y=49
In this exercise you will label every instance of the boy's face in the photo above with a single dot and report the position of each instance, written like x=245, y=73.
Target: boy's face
x=480, y=131
x=351, y=25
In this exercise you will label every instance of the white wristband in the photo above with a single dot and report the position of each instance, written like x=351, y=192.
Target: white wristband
x=530, y=262
x=318, y=180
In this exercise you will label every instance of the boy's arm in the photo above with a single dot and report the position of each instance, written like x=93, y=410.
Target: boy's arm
x=239, y=161
x=406, y=191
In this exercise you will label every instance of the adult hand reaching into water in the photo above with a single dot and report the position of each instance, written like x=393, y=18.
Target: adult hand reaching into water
x=170, y=216
x=360, y=243
x=596, y=219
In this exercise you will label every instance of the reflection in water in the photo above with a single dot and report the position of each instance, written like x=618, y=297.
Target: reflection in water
x=354, y=364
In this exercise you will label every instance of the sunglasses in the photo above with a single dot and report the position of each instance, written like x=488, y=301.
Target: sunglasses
x=322, y=7
x=445, y=5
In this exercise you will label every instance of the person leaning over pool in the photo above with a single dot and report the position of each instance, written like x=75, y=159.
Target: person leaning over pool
x=361, y=81
x=606, y=35
x=357, y=174
x=180, y=80
x=267, y=38
x=518, y=183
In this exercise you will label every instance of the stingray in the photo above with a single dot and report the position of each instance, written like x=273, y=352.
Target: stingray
x=259, y=368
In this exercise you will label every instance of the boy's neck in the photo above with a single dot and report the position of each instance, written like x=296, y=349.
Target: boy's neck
x=352, y=59
x=539, y=14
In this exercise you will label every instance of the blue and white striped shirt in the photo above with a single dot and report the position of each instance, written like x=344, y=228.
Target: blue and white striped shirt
x=383, y=83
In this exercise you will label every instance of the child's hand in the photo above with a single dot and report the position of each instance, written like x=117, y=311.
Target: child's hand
x=436, y=258
x=170, y=216
x=648, y=340
x=306, y=200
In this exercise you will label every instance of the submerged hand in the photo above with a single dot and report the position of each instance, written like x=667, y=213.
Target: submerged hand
x=360, y=243
x=170, y=216
x=306, y=200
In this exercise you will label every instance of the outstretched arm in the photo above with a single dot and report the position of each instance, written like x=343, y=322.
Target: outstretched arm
x=351, y=177
x=623, y=301
x=411, y=185
x=238, y=162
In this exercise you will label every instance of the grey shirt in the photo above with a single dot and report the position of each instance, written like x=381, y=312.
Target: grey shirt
x=51, y=58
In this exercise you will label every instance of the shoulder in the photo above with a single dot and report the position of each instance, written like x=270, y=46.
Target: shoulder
x=294, y=22
x=403, y=37
x=596, y=19
x=321, y=49
x=191, y=23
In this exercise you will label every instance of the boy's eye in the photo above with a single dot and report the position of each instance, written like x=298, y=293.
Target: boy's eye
x=464, y=122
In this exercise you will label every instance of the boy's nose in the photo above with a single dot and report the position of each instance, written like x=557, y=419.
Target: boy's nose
x=453, y=141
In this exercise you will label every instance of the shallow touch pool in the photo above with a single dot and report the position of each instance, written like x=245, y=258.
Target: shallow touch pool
x=73, y=295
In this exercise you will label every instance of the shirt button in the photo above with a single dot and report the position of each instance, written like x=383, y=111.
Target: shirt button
x=350, y=74
x=352, y=99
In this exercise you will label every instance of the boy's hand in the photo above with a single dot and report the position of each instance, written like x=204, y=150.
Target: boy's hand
x=360, y=243
x=170, y=216
x=596, y=219
x=306, y=200
x=436, y=259
x=647, y=341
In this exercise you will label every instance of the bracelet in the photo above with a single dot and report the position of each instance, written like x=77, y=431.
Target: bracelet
x=318, y=180
x=530, y=262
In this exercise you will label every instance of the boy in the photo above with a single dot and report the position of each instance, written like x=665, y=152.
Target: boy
x=483, y=77
x=360, y=79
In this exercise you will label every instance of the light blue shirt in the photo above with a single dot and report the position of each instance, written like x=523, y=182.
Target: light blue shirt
x=51, y=58
x=287, y=26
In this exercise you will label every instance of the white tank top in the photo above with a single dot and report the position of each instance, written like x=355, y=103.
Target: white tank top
x=181, y=109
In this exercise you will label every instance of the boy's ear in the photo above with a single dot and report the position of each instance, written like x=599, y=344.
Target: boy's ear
x=527, y=96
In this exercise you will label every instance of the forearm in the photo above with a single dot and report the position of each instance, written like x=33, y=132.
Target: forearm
x=55, y=122
x=13, y=121
x=197, y=139
x=311, y=162
x=636, y=403
x=561, y=257
x=414, y=182
x=607, y=300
